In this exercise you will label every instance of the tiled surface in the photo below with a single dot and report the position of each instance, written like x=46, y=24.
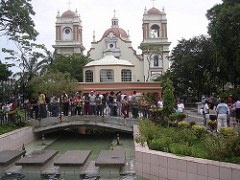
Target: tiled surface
x=202, y=169
x=200, y=177
x=191, y=176
x=15, y=139
x=152, y=164
x=226, y=173
x=181, y=165
x=182, y=175
x=172, y=174
x=192, y=167
x=213, y=171
x=235, y=174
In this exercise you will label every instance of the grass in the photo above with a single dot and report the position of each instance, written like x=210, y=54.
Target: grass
x=5, y=128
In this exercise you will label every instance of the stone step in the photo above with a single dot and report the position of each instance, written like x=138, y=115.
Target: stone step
x=129, y=168
x=51, y=170
x=90, y=170
x=14, y=170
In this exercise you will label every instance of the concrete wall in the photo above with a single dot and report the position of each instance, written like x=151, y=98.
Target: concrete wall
x=14, y=140
x=157, y=165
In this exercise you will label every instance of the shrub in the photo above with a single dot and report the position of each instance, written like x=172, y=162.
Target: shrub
x=182, y=124
x=162, y=144
x=199, y=131
x=156, y=116
x=227, y=131
x=223, y=148
x=177, y=117
x=192, y=123
x=212, y=124
x=140, y=139
x=148, y=129
x=181, y=149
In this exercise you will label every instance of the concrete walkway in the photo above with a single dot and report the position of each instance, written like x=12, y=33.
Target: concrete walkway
x=192, y=115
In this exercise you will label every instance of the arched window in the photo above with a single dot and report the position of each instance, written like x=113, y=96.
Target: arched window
x=106, y=75
x=67, y=34
x=155, y=31
x=126, y=75
x=155, y=61
x=89, y=76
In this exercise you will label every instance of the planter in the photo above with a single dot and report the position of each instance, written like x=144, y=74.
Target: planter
x=153, y=164
x=15, y=139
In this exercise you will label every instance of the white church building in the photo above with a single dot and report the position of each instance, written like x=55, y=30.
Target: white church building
x=114, y=59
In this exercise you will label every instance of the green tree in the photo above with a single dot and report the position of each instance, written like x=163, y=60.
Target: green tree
x=5, y=73
x=169, y=100
x=72, y=64
x=47, y=61
x=224, y=29
x=193, y=66
x=53, y=82
x=15, y=18
x=27, y=58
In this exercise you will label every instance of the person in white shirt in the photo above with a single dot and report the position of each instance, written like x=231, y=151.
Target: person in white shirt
x=180, y=106
x=205, y=112
x=160, y=103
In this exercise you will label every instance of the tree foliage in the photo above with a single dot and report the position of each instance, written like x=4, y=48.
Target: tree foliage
x=53, y=82
x=193, y=66
x=72, y=64
x=15, y=18
x=27, y=56
x=169, y=100
x=5, y=72
x=224, y=28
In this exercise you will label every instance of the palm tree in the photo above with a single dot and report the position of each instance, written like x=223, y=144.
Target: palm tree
x=29, y=68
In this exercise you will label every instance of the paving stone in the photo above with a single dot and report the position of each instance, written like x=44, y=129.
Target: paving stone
x=37, y=161
x=73, y=158
x=111, y=157
x=9, y=157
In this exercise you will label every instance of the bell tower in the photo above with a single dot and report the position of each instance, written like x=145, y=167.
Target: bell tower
x=68, y=34
x=155, y=38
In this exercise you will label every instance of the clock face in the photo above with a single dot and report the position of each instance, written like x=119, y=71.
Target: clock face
x=67, y=31
x=111, y=45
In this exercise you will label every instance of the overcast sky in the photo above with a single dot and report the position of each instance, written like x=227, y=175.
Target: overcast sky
x=185, y=18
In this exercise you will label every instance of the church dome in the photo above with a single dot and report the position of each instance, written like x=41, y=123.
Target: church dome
x=68, y=13
x=118, y=32
x=109, y=59
x=154, y=11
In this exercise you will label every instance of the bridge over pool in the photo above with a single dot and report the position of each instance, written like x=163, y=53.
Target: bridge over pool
x=51, y=124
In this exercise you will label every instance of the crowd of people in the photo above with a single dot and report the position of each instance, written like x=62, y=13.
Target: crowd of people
x=120, y=104
x=92, y=103
x=222, y=110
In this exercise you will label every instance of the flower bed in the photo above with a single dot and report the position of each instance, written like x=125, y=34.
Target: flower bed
x=192, y=141
x=154, y=164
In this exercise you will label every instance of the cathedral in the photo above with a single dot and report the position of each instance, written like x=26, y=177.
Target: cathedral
x=114, y=59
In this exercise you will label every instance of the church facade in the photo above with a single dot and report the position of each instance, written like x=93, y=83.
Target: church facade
x=68, y=34
x=114, y=59
x=147, y=66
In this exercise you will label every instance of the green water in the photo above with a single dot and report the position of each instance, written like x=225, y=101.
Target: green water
x=73, y=141
x=66, y=140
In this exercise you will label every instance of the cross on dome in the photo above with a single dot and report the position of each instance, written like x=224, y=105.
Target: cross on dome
x=114, y=19
x=69, y=2
x=153, y=2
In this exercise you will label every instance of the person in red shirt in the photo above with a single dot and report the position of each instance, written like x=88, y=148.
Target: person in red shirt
x=230, y=99
x=14, y=105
